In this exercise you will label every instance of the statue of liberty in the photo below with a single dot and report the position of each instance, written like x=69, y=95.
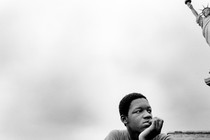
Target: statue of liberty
x=203, y=19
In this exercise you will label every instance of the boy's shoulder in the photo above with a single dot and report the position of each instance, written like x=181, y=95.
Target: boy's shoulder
x=118, y=135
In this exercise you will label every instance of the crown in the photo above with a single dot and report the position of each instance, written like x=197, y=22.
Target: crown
x=204, y=8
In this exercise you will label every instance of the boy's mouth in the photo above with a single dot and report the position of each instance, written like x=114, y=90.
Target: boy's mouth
x=147, y=123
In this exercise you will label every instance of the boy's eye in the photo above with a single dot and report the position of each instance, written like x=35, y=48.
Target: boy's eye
x=138, y=111
x=149, y=111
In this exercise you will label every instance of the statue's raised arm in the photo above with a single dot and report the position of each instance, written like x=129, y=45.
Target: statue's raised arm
x=188, y=3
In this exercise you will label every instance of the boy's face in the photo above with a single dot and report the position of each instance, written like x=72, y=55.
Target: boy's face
x=139, y=115
x=206, y=12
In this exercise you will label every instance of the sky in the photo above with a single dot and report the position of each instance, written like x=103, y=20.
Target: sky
x=65, y=65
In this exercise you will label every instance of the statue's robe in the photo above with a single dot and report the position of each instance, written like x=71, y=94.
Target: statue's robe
x=204, y=22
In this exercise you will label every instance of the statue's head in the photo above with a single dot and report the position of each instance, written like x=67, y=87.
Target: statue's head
x=206, y=11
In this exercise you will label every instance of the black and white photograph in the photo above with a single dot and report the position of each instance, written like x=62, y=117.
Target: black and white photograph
x=104, y=69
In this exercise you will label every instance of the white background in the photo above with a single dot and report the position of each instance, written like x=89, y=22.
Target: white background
x=65, y=65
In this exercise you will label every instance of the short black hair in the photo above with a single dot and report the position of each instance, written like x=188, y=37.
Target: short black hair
x=126, y=101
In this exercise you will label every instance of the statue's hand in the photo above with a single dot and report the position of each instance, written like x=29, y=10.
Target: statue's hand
x=189, y=5
x=187, y=1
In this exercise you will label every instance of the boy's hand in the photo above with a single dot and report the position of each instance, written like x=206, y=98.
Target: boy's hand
x=153, y=130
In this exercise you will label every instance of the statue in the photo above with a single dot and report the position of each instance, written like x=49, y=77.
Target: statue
x=203, y=19
x=207, y=80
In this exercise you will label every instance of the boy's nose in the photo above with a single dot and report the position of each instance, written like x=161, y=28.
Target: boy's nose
x=147, y=115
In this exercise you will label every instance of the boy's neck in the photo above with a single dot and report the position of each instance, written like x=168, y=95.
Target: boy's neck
x=133, y=135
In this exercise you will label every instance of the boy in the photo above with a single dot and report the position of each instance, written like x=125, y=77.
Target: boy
x=136, y=115
x=202, y=19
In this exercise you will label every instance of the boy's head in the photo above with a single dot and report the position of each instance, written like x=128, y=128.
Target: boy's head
x=206, y=11
x=135, y=112
x=126, y=101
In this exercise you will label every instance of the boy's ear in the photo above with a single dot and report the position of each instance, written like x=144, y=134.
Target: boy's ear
x=124, y=119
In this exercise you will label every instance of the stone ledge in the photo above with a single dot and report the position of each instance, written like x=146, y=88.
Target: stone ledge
x=189, y=132
x=190, y=135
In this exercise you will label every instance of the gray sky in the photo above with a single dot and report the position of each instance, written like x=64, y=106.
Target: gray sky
x=65, y=65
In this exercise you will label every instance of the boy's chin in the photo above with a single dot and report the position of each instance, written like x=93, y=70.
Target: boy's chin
x=145, y=127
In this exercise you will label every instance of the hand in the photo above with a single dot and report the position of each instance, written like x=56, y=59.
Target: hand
x=189, y=5
x=187, y=1
x=153, y=130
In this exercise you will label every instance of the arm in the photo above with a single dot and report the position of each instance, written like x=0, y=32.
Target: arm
x=199, y=18
x=192, y=9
